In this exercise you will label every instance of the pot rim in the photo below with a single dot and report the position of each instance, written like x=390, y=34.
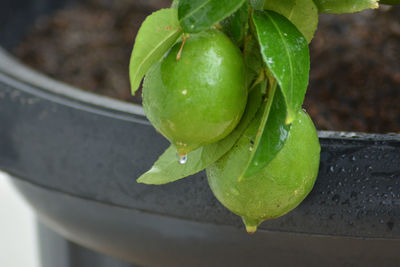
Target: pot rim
x=14, y=68
x=97, y=141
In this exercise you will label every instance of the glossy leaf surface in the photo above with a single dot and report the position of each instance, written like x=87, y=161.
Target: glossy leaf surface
x=285, y=52
x=253, y=60
x=199, y=15
x=167, y=169
x=344, y=6
x=156, y=36
x=271, y=136
x=257, y=4
x=235, y=26
x=302, y=13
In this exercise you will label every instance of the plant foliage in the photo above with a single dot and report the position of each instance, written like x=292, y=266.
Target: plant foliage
x=273, y=36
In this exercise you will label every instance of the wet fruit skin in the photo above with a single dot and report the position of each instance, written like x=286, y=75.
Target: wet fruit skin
x=279, y=187
x=200, y=98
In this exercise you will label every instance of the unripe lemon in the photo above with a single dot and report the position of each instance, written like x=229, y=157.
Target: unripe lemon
x=276, y=189
x=198, y=97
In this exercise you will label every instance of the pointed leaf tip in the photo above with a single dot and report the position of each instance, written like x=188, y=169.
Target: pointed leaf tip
x=156, y=36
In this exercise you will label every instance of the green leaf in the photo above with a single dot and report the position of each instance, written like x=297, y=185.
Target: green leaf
x=271, y=135
x=282, y=7
x=253, y=60
x=235, y=26
x=167, y=169
x=285, y=52
x=175, y=4
x=345, y=6
x=257, y=4
x=156, y=36
x=199, y=15
x=302, y=13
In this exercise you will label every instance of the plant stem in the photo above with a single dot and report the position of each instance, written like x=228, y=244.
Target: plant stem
x=179, y=55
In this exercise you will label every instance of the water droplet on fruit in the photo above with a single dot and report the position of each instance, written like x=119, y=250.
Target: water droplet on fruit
x=182, y=159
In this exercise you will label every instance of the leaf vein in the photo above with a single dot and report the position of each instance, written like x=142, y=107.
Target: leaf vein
x=288, y=55
x=152, y=52
x=195, y=10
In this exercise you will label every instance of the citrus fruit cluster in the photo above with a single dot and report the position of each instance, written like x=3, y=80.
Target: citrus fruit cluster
x=196, y=95
x=226, y=89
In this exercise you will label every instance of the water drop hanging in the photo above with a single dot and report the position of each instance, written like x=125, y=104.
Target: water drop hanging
x=182, y=159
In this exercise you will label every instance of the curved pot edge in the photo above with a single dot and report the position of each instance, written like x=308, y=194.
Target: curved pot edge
x=132, y=241
x=137, y=236
x=20, y=183
x=11, y=67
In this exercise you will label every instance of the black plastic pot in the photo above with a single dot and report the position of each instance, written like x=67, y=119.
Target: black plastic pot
x=75, y=157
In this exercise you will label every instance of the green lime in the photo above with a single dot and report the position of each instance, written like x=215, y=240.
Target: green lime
x=198, y=97
x=279, y=187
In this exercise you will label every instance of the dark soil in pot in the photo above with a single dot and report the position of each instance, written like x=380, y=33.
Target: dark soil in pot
x=355, y=68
